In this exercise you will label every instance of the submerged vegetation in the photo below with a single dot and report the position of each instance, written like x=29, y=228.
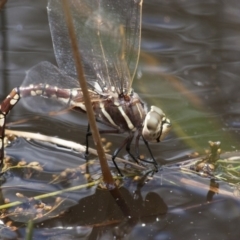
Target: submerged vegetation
x=42, y=195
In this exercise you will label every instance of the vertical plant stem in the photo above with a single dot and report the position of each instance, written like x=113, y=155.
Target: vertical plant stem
x=107, y=177
x=29, y=230
x=2, y=3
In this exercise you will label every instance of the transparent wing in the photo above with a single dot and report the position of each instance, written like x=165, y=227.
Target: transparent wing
x=47, y=74
x=108, y=33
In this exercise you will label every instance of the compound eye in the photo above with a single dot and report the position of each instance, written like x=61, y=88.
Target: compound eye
x=153, y=122
x=156, y=125
x=166, y=126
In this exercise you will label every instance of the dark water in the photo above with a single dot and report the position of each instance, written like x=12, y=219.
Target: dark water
x=189, y=66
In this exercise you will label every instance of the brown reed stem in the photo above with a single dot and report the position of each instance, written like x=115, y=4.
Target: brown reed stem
x=2, y=3
x=107, y=177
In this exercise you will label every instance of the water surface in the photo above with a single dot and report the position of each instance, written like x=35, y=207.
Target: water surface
x=189, y=66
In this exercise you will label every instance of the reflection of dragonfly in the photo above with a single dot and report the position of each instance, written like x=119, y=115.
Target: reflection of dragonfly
x=108, y=33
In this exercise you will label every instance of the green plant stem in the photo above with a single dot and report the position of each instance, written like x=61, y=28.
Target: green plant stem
x=29, y=230
x=52, y=194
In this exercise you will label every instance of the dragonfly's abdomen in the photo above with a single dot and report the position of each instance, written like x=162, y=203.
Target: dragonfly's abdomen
x=69, y=97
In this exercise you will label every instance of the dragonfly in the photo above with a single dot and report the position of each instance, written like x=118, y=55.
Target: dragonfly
x=109, y=34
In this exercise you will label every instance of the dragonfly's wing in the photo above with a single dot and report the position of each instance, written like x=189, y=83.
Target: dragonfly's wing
x=46, y=73
x=108, y=34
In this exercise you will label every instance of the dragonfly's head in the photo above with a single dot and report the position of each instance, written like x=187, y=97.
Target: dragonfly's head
x=156, y=126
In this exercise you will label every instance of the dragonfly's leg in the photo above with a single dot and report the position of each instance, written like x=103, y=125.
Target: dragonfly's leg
x=128, y=148
x=2, y=133
x=126, y=142
x=149, y=150
x=88, y=134
x=137, y=145
x=154, y=162
x=7, y=104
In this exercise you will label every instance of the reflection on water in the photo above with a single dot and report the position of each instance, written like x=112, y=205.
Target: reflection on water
x=189, y=67
x=170, y=204
x=194, y=57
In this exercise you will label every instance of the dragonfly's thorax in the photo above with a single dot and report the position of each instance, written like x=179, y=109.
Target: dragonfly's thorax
x=122, y=111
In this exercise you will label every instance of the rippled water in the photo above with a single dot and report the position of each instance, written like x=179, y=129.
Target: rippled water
x=189, y=66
